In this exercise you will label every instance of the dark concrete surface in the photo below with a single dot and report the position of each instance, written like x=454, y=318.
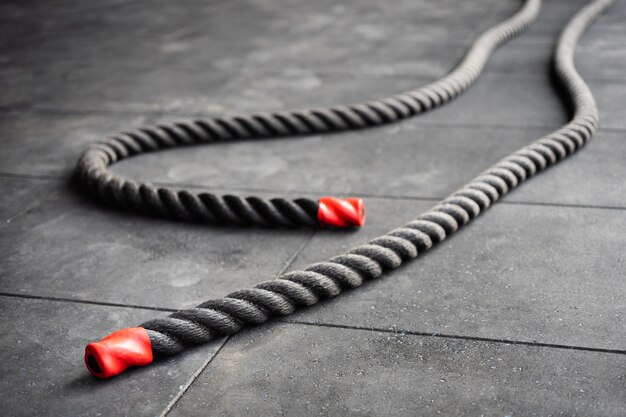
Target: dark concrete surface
x=39, y=358
x=521, y=314
x=370, y=373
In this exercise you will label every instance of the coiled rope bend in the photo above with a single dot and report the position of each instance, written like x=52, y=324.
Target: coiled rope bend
x=281, y=296
x=92, y=171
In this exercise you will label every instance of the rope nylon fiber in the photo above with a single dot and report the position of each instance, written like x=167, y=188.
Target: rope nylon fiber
x=281, y=296
x=92, y=171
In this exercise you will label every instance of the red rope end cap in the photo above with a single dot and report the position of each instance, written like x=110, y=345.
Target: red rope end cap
x=118, y=351
x=337, y=212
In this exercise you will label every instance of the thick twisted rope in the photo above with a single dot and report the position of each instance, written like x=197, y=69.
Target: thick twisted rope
x=306, y=287
x=92, y=167
x=280, y=297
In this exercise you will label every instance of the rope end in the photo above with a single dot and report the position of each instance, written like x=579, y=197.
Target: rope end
x=341, y=213
x=118, y=351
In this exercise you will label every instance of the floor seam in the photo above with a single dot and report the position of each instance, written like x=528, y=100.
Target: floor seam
x=196, y=374
x=190, y=115
x=192, y=379
x=309, y=192
x=159, y=113
x=297, y=252
x=283, y=268
x=33, y=204
x=90, y=302
x=46, y=177
x=458, y=337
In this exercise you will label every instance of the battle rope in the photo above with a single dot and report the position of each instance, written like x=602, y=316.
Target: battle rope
x=92, y=166
x=280, y=297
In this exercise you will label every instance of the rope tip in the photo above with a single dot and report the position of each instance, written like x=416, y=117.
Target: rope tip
x=340, y=213
x=118, y=351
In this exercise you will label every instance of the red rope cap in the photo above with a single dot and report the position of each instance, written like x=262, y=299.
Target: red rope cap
x=337, y=212
x=118, y=351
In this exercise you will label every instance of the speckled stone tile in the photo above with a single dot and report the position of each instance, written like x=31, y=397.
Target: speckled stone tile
x=21, y=194
x=44, y=374
x=594, y=62
x=134, y=90
x=531, y=53
x=258, y=54
x=522, y=101
x=50, y=144
x=409, y=160
x=287, y=369
x=530, y=273
x=608, y=29
x=80, y=59
x=591, y=177
x=321, y=164
x=244, y=18
x=74, y=248
x=433, y=161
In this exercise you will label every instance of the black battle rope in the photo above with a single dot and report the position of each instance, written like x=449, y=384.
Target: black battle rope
x=92, y=166
x=281, y=296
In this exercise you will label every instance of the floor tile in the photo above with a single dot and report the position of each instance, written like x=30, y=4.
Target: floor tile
x=44, y=372
x=286, y=369
x=72, y=247
x=380, y=57
x=594, y=62
x=243, y=19
x=221, y=52
x=591, y=177
x=50, y=144
x=21, y=194
x=531, y=53
x=494, y=99
x=322, y=164
x=132, y=90
x=530, y=273
x=80, y=60
x=433, y=161
x=608, y=29
x=520, y=101
x=305, y=89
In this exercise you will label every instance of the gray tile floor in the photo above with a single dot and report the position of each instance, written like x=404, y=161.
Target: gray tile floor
x=521, y=314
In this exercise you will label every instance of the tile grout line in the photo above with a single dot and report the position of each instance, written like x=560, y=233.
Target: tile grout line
x=90, y=302
x=297, y=252
x=501, y=202
x=308, y=192
x=159, y=112
x=50, y=111
x=133, y=306
x=192, y=379
x=196, y=374
x=51, y=176
x=490, y=12
x=562, y=205
x=341, y=326
x=29, y=207
x=458, y=337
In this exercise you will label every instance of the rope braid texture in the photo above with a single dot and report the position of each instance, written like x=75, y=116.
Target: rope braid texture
x=279, y=297
x=92, y=172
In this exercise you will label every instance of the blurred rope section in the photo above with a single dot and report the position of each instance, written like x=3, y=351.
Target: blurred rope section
x=171, y=335
x=92, y=167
